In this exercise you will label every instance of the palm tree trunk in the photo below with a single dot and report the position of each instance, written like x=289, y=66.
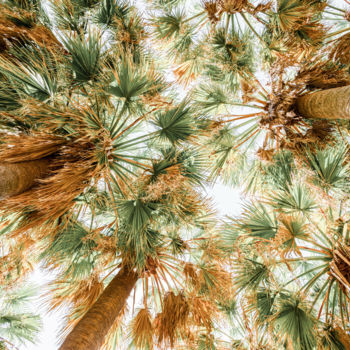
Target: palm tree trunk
x=326, y=104
x=343, y=337
x=16, y=178
x=91, y=330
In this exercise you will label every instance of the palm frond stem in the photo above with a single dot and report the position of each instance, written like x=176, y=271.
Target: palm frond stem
x=336, y=8
x=193, y=17
x=252, y=29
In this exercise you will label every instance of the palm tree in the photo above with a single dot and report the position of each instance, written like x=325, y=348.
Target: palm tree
x=144, y=252
x=290, y=43
x=290, y=250
x=89, y=124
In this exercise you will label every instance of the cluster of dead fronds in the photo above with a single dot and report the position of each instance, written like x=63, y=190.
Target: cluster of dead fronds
x=73, y=164
x=340, y=267
x=216, y=8
x=18, y=27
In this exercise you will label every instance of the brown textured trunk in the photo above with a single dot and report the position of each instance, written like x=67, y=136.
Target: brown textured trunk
x=326, y=104
x=343, y=337
x=91, y=330
x=16, y=178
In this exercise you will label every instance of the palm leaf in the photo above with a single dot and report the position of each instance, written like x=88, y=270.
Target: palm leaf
x=294, y=322
x=85, y=56
x=175, y=125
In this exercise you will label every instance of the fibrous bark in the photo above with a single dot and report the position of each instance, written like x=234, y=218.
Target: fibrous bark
x=326, y=104
x=91, y=330
x=18, y=177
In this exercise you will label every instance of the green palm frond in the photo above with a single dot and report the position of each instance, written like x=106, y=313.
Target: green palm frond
x=294, y=322
x=140, y=245
x=290, y=13
x=280, y=173
x=330, y=167
x=110, y=10
x=72, y=244
x=137, y=214
x=29, y=5
x=86, y=56
x=131, y=81
x=168, y=25
x=250, y=274
x=68, y=15
x=233, y=53
x=17, y=322
x=296, y=198
x=210, y=97
x=36, y=77
x=191, y=163
x=229, y=234
x=265, y=301
x=175, y=125
x=257, y=222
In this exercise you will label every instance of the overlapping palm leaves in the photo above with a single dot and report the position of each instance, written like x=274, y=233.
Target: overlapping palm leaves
x=291, y=251
x=18, y=323
x=123, y=187
x=116, y=147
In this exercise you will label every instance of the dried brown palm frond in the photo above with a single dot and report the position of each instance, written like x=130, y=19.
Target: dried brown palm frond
x=71, y=172
x=22, y=148
x=347, y=15
x=232, y=6
x=13, y=33
x=211, y=7
x=212, y=252
x=343, y=337
x=323, y=76
x=79, y=296
x=186, y=72
x=291, y=228
x=265, y=154
x=215, y=281
x=81, y=293
x=340, y=267
x=306, y=39
x=173, y=318
x=191, y=275
x=280, y=119
x=203, y=311
x=318, y=135
x=247, y=91
x=263, y=7
x=340, y=49
x=176, y=191
x=166, y=184
x=142, y=330
x=15, y=264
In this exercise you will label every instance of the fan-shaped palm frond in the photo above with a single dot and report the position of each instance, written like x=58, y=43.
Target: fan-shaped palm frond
x=294, y=322
x=330, y=167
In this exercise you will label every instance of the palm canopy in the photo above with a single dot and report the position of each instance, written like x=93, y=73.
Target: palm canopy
x=173, y=252
x=81, y=88
x=99, y=113
x=249, y=75
x=123, y=185
x=289, y=251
